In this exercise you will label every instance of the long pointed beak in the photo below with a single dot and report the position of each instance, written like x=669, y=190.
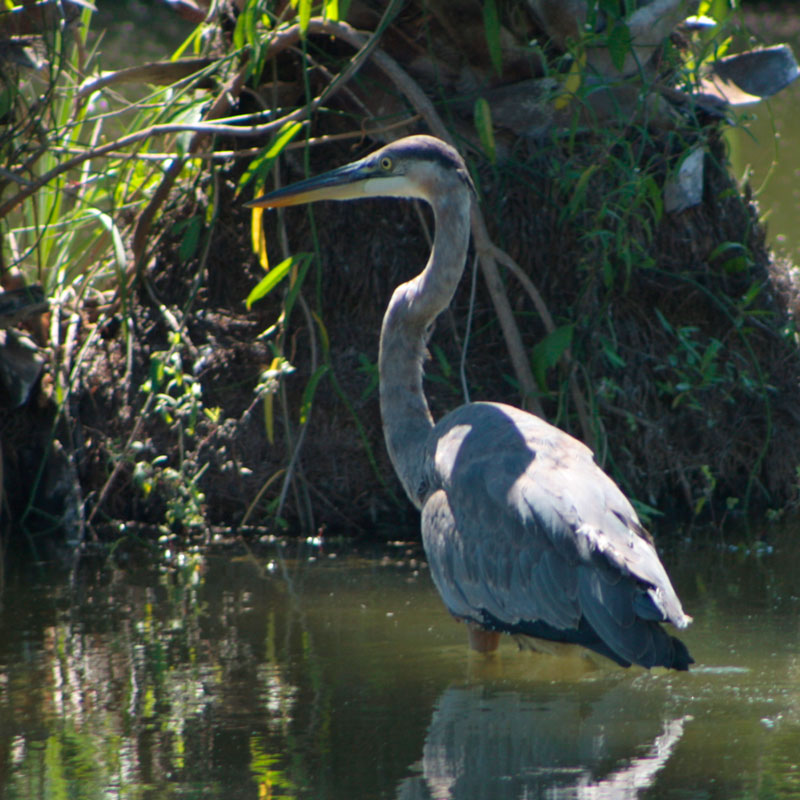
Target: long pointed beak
x=344, y=183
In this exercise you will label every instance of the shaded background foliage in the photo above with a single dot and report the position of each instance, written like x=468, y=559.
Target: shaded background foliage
x=673, y=352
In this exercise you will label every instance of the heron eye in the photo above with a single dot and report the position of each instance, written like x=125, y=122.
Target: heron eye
x=386, y=163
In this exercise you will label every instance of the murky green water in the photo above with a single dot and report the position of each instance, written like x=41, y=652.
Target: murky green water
x=314, y=676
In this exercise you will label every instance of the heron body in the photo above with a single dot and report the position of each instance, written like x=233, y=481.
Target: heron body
x=523, y=532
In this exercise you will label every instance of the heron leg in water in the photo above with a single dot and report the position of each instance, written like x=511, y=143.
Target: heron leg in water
x=482, y=640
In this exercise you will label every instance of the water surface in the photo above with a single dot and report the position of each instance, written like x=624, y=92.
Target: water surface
x=765, y=150
x=319, y=674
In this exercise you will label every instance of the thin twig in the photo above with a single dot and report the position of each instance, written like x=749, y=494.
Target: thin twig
x=248, y=152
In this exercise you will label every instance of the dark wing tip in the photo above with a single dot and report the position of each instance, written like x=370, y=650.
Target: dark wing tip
x=681, y=658
x=664, y=650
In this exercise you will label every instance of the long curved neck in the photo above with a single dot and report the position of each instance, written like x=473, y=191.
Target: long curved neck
x=407, y=420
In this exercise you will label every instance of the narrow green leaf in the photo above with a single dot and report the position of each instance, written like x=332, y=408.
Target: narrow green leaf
x=664, y=322
x=191, y=238
x=491, y=26
x=304, y=15
x=750, y=295
x=619, y=44
x=549, y=350
x=270, y=281
x=304, y=260
x=654, y=193
x=239, y=32
x=323, y=331
x=580, y=187
x=7, y=97
x=116, y=238
x=614, y=358
x=308, y=392
x=258, y=239
x=332, y=10
x=260, y=165
x=284, y=136
x=269, y=405
x=483, y=124
x=726, y=248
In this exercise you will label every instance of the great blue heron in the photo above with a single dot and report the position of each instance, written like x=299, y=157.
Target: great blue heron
x=523, y=532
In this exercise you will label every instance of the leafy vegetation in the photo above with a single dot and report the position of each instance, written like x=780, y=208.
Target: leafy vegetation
x=656, y=341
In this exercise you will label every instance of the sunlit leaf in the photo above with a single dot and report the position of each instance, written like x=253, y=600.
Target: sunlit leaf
x=572, y=82
x=285, y=135
x=260, y=165
x=483, y=124
x=258, y=239
x=108, y=223
x=332, y=10
x=304, y=15
x=718, y=10
x=270, y=281
x=303, y=260
x=193, y=40
x=239, y=32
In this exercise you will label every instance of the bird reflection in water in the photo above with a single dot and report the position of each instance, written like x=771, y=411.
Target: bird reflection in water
x=510, y=745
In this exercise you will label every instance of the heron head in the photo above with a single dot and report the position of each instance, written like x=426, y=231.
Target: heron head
x=420, y=167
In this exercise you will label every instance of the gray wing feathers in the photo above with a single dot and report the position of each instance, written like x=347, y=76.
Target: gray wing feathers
x=526, y=527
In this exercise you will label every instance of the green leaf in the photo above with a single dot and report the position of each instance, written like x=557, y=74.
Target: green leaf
x=332, y=10
x=619, y=44
x=483, y=124
x=491, y=26
x=270, y=281
x=549, y=350
x=750, y=295
x=580, y=190
x=664, y=322
x=304, y=260
x=191, y=229
x=108, y=223
x=323, y=331
x=260, y=165
x=304, y=15
x=308, y=392
x=654, y=193
x=610, y=352
x=242, y=33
